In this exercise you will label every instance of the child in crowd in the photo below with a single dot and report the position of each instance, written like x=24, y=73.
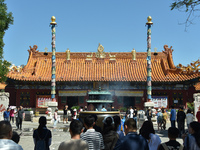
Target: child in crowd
x=172, y=143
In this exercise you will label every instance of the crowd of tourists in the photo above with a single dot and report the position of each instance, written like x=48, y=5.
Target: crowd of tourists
x=10, y=114
x=115, y=135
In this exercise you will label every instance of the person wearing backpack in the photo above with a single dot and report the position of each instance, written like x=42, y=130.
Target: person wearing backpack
x=42, y=136
x=181, y=121
x=172, y=144
x=159, y=119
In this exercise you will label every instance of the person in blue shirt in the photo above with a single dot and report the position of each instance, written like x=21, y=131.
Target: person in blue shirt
x=6, y=114
x=103, y=108
x=132, y=140
x=173, y=116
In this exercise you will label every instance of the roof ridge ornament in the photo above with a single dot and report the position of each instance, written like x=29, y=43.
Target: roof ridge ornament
x=15, y=68
x=67, y=54
x=167, y=49
x=34, y=49
x=133, y=54
x=100, y=52
x=190, y=69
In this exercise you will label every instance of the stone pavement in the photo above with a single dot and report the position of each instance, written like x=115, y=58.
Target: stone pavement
x=60, y=134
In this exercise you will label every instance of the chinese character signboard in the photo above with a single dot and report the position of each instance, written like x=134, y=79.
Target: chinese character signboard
x=42, y=101
x=160, y=101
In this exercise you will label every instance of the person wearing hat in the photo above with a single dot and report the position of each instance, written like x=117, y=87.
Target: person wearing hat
x=159, y=119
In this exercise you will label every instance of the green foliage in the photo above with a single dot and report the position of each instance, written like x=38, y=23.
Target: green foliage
x=27, y=109
x=190, y=106
x=5, y=20
x=123, y=109
x=75, y=107
x=4, y=70
x=188, y=6
x=185, y=4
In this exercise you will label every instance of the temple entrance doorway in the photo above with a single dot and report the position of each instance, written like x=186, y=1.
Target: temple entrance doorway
x=72, y=101
x=129, y=101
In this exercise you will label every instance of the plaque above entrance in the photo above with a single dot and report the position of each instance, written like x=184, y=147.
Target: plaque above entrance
x=73, y=93
x=129, y=93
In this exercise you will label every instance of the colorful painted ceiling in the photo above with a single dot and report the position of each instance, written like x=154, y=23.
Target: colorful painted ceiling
x=101, y=66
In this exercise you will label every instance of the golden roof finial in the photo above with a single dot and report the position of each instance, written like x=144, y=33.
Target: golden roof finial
x=149, y=20
x=155, y=50
x=53, y=19
x=46, y=49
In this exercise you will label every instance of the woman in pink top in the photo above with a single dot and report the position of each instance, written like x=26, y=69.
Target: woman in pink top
x=12, y=115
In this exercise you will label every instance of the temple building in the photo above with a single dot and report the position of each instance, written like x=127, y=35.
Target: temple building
x=102, y=78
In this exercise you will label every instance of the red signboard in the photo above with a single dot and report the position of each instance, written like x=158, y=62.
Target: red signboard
x=42, y=101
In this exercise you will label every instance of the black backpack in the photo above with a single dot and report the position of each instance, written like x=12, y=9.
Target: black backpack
x=41, y=143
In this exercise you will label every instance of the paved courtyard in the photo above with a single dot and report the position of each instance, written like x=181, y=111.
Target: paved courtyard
x=60, y=134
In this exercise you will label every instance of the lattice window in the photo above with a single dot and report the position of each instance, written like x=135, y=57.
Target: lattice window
x=25, y=98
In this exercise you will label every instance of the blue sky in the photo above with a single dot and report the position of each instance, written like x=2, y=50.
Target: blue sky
x=119, y=25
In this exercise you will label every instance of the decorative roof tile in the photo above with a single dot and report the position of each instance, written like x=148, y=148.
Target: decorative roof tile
x=123, y=68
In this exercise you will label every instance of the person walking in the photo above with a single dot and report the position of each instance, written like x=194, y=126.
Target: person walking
x=135, y=115
x=131, y=112
x=132, y=140
x=93, y=138
x=173, y=116
x=65, y=114
x=20, y=117
x=181, y=121
x=128, y=113
x=189, y=117
x=165, y=117
x=159, y=119
x=5, y=137
x=12, y=115
x=148, y=132
x=6, y=114
x=55, y=117
x=75, y=129
x=42, y=136
x=149, y=114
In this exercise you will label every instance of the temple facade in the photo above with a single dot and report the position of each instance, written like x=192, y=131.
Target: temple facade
x=102, y=78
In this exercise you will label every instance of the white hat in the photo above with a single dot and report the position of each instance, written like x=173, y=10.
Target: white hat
x=159, y=109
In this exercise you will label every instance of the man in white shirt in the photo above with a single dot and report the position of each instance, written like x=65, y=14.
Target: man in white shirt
x=5, y=137
x=189, y=117
x=131, y=112
x=76, y=128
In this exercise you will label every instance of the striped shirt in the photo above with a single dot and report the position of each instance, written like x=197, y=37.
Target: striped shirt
x=94, y=139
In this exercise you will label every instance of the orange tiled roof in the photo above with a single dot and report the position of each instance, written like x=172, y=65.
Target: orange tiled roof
x=121, y=68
